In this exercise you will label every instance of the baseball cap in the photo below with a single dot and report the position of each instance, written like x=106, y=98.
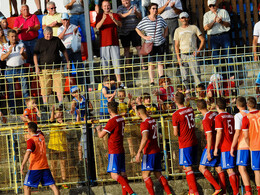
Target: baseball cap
x=65, y=16
x=73, y=89
x=212, y=2
x=2, y=18
x=215, y=77
x=184, y=15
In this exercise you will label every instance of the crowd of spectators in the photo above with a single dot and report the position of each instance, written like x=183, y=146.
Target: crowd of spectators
x=128, y=25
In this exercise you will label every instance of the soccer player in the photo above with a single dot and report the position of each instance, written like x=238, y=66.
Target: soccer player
x=243, y=156
x=207, y=158
x=183, y=121
x=152, y=157
x=116, y=157
x=224, y=125
x=38, y=170
x=250, y=128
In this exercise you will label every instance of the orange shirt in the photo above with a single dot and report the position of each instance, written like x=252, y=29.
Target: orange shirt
x=38, y=159
x=31, y=114
x=251, y=123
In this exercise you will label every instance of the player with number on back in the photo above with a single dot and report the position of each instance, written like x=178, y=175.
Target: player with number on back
x=224, y=125
x=250, y=128
x=152, y=156
x=184, y=127
x=207, y=158
x=116, y=157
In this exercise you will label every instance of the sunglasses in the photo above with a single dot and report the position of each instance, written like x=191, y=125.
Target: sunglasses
x=154, y=8
x=53, y=8
x=212, y=5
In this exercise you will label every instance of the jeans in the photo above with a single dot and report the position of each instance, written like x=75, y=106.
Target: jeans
x=19, y=72
x=139, y=5
x=29, y=46
x=79, y=20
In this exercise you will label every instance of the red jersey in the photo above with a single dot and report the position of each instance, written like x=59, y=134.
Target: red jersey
x=251, y=123
x=225, y=122
x=38, y=159
x=31, y=114
x=149, y=125
x=108, y=31
x=115, y=128
x=208, y=123
x=185, y=121
x=166, y=94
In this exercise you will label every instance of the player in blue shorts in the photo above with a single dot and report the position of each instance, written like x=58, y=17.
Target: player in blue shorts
x=152, y=156
x=39, y=169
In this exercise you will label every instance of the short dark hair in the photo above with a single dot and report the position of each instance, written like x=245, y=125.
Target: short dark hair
x=202, y=104
x=113, y=106
x=221, y=103
x=241, y=102
x=32, y=126
x=251, y=102
x=151, y=5
x=141, y=108
x=201, y=85
x=146, y=96
x=29, y=99
x=179, y=98
x=11, y=31
x=122, y=91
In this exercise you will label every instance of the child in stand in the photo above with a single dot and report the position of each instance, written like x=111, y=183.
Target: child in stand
x=31, y=112
x=58, y=145
x=123, y=106
x=146, y=100
x=182, y=89
x=4, y=26
x=2, y=118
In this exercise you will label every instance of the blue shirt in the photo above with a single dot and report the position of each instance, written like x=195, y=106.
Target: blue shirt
x=104, y=101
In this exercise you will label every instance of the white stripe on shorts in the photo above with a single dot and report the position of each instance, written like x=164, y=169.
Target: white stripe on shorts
x=181, y=156
x=111, y=159
x=144, y=161
x=26, y=177
x=224, y=160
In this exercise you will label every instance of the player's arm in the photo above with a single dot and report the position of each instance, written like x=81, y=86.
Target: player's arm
x=25, y=159
x=209, y=144
x=101, y=133
x=218, y=138
x=234, y=142
x=246, y=136
x=175, y=131
x=245, y=128
x=142, y=145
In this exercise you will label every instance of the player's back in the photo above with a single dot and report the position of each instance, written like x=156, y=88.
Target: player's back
x=184, y=119
x=254, y=130
x=208, y=123
x=38, y=159
x=115, y=128
x=149, y=125
x=225, y=122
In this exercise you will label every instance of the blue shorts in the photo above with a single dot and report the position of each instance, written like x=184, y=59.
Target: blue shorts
x=34, y=177
x=215, y=162
x=152, y=162
x=116, y=163
x=243, y=158
x=227, y=161
x=188, y=156
x=255, y=160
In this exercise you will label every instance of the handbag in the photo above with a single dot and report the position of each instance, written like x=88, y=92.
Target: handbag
x=147, y=47
x=75, y=43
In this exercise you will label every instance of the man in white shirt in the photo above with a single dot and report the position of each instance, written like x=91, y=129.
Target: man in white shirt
x=169, y=10
x=14, y=53
x=256, y=39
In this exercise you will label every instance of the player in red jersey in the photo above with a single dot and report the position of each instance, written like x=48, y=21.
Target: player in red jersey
x=116, y=157
x=149, y=146
x=183, y=121
x=250, y=128
x=224, y=125
x=39, y=169
x=207, y=158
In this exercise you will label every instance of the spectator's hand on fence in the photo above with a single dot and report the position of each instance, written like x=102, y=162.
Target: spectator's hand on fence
x=195, y=53
x=37, y=70
x=138, y=157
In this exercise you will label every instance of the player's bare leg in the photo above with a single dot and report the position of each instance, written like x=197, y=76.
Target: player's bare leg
x=123, y=181
x=27, y=190
x=148, y=181
x=54, y=189
x=190, y=177
x=245, y=177
x=257, y=181
x=207, y=174
x=53, y=168
x=80, y=151
x=222, y=180
x=131, y=147
x=63, y=169
x=163, y=181
x=233, y=181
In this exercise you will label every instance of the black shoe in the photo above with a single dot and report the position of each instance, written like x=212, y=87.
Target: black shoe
x=152, y=84
x=61, y=106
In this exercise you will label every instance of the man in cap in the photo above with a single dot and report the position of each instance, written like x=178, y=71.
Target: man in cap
x=185, y=38
x=256, y=39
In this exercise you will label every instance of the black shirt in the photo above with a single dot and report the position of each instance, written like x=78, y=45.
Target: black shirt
x=48, y=52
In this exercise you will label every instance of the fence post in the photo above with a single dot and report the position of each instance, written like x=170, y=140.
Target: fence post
x=14, y=162
x=164, y=148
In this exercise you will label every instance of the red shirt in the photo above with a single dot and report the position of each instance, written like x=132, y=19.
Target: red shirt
x=31, y=114
x=115, y=128
x=149, y=125
x=166, y=94
x=208, y=123
x=108, y=31
x=225, y=122
x=251, y=123
x=185, y=121
x=31, y=21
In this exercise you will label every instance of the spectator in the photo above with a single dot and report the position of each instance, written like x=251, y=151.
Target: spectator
x=153, y=26
x=27, y=26
x=14, y=54
x=2, y=117
x=169, y=10
x=31, y=112
x=256, y=39
x=185, y=38
x=217, y=24
x=14, y=2
x=4, y=25
x=257, y=82
x=38, y=5
x=166, y=90
x=65, y=33
x=76, y=11
x=2, y=64
x=130, y=16
x=107, y=24
x=47, y=49
x=52, y=19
